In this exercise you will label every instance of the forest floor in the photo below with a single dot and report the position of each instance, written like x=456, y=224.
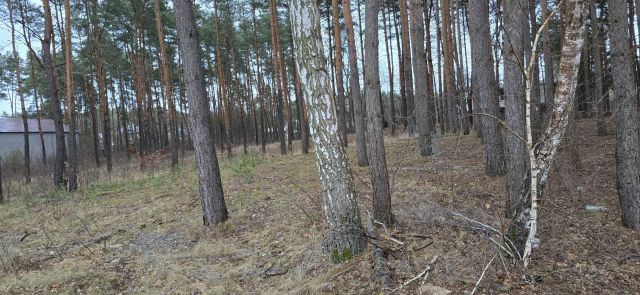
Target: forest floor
x=142, y=232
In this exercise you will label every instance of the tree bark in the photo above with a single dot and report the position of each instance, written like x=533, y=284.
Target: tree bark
x=344, y=236
x=72, y=183
x=392, y=103
x=549, y=83
x=354, y=81
x=25, y=125
x=422, y=96
x=168, y=85
x=212, y=196
x=342, y=114
x=596, y=53
x=102, y=87
x=541, y=155
x=514, y=27
x=625, y=89
x=278, y=77
x=379, y=178
x=449, y=86
x=58, y=169
x=38, y=110
x=409, y=119
x=485, y=87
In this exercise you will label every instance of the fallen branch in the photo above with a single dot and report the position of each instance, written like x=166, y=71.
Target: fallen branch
x=482, y=275
x=388, y=234
x=379, y=258
x=424, y=273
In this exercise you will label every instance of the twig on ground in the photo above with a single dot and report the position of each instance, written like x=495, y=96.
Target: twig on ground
x=388, y=234
x=53, y=245
x=425, y=273
x=482, y=275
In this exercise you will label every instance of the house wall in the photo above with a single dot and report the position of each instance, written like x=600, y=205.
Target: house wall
x=12, y=145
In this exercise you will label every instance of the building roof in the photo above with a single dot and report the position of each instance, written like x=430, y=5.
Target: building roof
x=15, y=125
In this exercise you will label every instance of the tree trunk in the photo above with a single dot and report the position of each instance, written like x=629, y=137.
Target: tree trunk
x=449, y=86
x=485, y=87
x=123, y=111
x=408, y=75
x=549, y=83
x=263, y=112
x=344, y=236
x=302, y=113
x=596, y=53
x=379, y=177
x=72, y=183
x=277, y=76
x=535, y=86
x=354, y=81
x=444, y=121
x=627, y=160
x=168, y=85
x=422, y=96
x=524, y=226
x=58, y=169
x=342, y=114
x=25, y=125
x=515, y=19
x=102, y=88
x=38, y=110
x=432, y=101
x=212, y=196
x=392, y=103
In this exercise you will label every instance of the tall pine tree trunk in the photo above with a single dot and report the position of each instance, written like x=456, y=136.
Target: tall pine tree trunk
x=102, y=87
x=340, y=101
x=168, y=85
x=485, y=87
x=379, y=177
x=47, y=61
x=25, y=125
x=514, y=27
x=422, y=96
x=449, y=85
x=408, y=114
x=72, y=183
x=625, y=89
x=212, y=196
x=356, y=94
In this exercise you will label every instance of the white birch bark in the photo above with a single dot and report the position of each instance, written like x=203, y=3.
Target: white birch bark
x=542, y=154
x=344, y=233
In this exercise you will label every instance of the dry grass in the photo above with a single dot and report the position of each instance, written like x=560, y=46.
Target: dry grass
x=141, y=232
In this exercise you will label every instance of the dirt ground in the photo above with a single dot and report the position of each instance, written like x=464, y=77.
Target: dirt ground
x=142, y=233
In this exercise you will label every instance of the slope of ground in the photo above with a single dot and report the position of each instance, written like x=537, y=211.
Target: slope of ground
x=142, y=232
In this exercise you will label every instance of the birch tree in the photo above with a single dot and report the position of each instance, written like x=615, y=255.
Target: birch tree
x=344, y=234
x=542, y=153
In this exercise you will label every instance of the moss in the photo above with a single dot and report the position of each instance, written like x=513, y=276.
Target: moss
x=339, y=258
